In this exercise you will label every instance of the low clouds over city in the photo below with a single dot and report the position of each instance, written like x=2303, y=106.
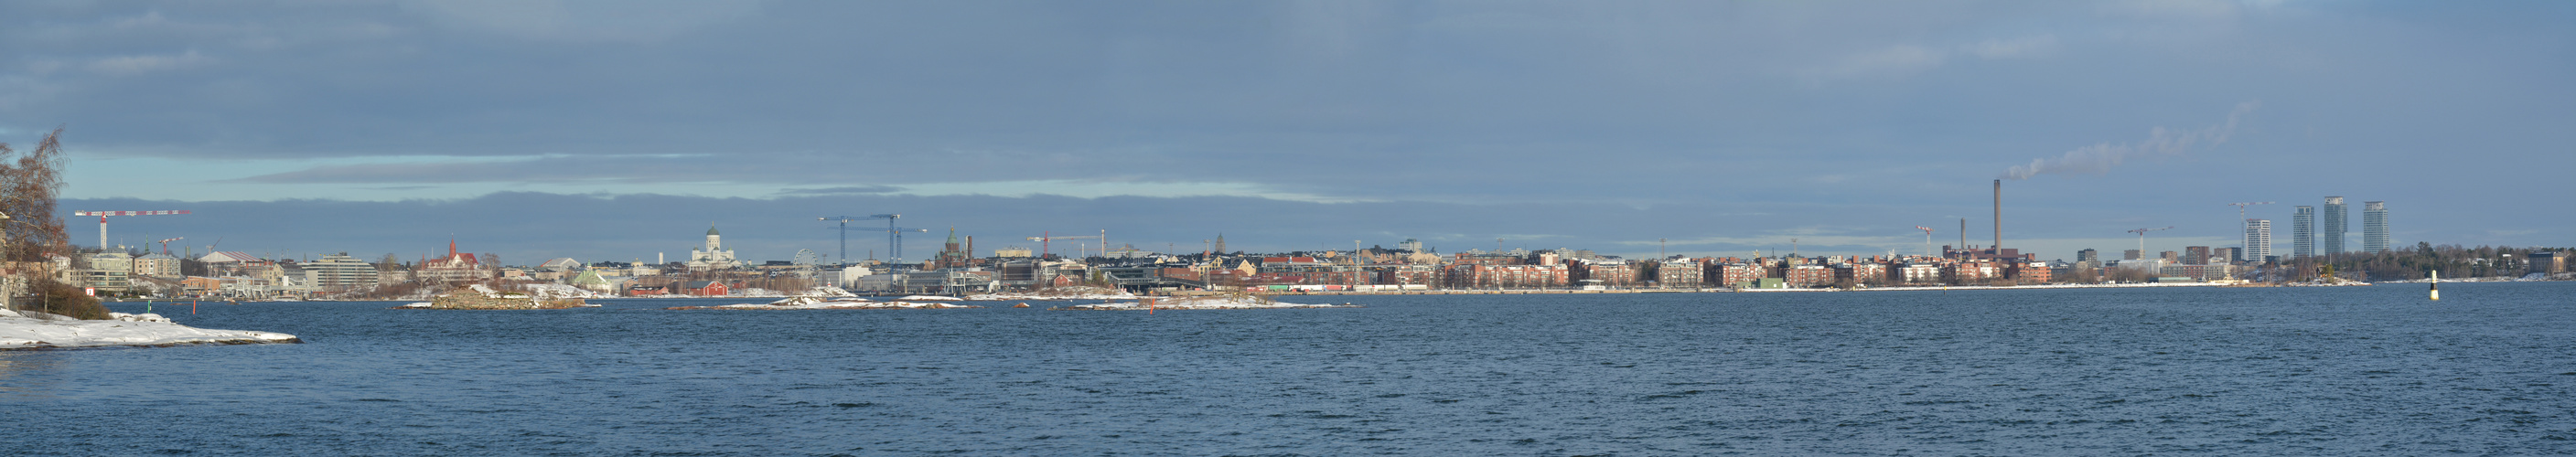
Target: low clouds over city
x=613, y=130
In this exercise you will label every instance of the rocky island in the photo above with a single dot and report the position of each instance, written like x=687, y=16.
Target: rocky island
x=479, y=297
x=23, y=330
x=810, y=302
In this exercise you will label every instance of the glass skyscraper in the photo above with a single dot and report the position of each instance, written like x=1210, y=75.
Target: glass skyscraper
x=2337, y=222
x=2258, y=241
x=2374, y=227
x=2303, y=232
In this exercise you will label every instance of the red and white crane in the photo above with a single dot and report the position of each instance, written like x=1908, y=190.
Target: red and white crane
x=102, y=219
x=165, y=244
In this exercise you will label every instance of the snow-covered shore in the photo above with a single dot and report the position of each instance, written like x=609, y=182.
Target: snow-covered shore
x=2034, y=286
x=1059, y=293
x=31, y=330
x=1210, y=302
x=831, y=303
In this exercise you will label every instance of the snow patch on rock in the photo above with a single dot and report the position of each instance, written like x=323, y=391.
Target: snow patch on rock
x=30, y=330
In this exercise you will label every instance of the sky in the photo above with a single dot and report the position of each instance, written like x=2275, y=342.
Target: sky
x=621, y=130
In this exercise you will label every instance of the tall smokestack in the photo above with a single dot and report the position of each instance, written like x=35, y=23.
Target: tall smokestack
x=1999, y=218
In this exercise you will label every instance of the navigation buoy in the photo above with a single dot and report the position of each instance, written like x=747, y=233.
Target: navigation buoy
x=2437, y=286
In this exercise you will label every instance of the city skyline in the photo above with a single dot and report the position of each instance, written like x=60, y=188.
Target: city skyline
x=1719, y=128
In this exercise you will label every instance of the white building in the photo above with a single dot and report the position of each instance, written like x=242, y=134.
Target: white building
x=2258, y=240
x=109, y=271
x=339, y=272
x=714, y=257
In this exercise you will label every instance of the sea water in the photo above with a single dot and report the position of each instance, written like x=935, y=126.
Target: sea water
x=2235, y=371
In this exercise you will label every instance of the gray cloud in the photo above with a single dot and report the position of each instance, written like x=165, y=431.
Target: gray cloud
x=843, y=190
x=1645, y=106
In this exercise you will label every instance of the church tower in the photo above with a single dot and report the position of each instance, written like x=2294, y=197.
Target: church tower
x=714, y=257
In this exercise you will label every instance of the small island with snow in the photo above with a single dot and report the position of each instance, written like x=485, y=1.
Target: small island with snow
x=24, y=330
x=1196, y=303
x=1058, y=293
x=479, y=297
x=815, y=302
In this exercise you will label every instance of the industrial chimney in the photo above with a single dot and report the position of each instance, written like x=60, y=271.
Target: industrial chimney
x=1999, y=218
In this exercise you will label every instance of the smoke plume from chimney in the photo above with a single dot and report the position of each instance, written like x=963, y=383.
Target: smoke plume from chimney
x=2160, y=143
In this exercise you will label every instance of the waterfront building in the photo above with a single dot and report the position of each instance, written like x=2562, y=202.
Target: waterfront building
x=2374, y=227
x=1860, y=272
x=2031, y=272
x=1732, y=273
x=2303, y=232
x=705, y=288
x=2548, y=262
x=1916, y=273
x=2088, y=255
x=340, y=272
x=2198, y=272
x=714, y=257
x=2336, y=223
x=1613, y=273
x=1969, y=272
x=456, y=266
x=2195, y=255
x=109, y=271
x=1514, y=276
x=1678, y=274
x=156, y=265
x=1808, y=275
x=2258, y=240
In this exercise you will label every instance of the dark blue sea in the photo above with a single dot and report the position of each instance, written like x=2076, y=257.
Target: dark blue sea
x=2253, y=371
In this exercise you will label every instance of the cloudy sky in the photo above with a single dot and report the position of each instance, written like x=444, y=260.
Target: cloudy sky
x=615, y=130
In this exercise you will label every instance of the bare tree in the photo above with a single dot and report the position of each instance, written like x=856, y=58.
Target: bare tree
x=28, y=189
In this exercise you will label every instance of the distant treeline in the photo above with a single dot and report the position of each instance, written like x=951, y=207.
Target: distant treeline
x=2417, y=262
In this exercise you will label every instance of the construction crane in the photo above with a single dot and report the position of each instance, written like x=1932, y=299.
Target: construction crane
x=102, y=219
x=2142, y=239
x=845, y=230
x=1049, y=237
x=2240, y=208
x=165, y=244
x=897, y=234
x=894, y=240
x=1927, y=241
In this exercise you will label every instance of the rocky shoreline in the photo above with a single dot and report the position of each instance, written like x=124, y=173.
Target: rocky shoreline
x=830, y=303
x=1197, y=303
x=23, y=330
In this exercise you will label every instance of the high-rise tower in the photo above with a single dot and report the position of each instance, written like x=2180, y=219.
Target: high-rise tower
x=2258, y=241
x=2374, y=227
x=2303, y=232
x=2338, y=221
